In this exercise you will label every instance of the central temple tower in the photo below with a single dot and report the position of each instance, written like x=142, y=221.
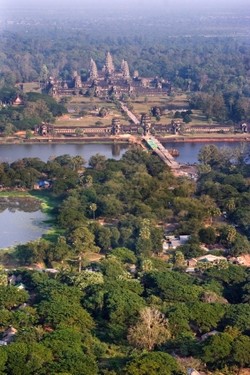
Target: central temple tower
x=109, y=65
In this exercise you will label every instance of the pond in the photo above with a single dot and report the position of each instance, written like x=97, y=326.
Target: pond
x=21, y=221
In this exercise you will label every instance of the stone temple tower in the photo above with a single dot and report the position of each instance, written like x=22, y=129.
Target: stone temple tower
x=109, y=65
x=146, y=123
x=93, y=73
x=125, y=69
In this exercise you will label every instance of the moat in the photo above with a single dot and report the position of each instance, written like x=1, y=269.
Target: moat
x=188, y=151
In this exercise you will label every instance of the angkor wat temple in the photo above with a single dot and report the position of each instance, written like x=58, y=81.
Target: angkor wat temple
x=107, y=82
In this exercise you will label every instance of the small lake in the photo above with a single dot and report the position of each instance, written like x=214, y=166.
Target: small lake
x=21, y=221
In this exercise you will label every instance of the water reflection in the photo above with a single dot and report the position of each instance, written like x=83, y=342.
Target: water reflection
x=116, y=149
x=19, y=204
x=10, y=153
x=21, y=221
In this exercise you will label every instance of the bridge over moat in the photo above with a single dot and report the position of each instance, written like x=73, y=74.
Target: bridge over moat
x=160, y=150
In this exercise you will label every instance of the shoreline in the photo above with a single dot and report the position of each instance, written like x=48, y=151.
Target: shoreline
x=124, y=139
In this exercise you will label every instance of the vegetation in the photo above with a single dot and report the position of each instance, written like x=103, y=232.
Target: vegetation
x=130, y=311
x=107, y=299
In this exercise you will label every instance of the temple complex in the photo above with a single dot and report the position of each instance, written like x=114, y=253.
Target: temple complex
x=107, y=82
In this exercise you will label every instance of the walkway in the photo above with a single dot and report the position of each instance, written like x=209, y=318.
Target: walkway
x=156, y=146
x=160, y=150
x=130, y=114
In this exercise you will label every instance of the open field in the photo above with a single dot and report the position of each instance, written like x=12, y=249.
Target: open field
x=180, y=101
x=91, y=108
x=87, y=121
x=31, y=87
x=169, y=106
x=144, y=104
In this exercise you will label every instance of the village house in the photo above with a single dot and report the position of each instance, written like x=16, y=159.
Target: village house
x=172, y=242
x=8, y=336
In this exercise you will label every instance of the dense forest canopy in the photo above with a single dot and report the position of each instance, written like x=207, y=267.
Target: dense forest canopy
x=133, y=311
x=199, y=51
x=180, y=44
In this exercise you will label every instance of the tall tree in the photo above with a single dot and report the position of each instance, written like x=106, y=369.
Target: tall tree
x=82, y=241
x=151, y=329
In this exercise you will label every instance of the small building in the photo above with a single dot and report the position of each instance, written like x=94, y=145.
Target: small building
x=172, y=242
x=18, y=101
x=8, y=336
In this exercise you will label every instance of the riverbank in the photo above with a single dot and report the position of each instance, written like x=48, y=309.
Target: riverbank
x=206, y=139
x=43, y=199
x=127, y=139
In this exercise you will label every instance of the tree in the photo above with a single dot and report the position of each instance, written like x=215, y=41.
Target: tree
x=60, y=250
x=241, y=245
x=27, y=358
x=241, y=350
x=227, y=235
x=187, y=118
x=103, y=112
x=238, y=316
x=97, y=162
x=86, y=278
x=63, y=311
x=155, y=363
x=205, y=316
x=44, y=73
x=3, y=360
x=217, y=349
x=103, y=238
x=124, y=255
x=11, y=296
x=122, y=303
x=209, y=155
x=93, y=208
x=150, y=330
x=28, y=134
x=179, y=261
x=9, y=129
x=78, y=162
x=207, y=235
x=144, y=242
x=79, y=132
x=82, y=241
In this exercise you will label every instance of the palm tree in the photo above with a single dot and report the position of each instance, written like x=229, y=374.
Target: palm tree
x=93, y=208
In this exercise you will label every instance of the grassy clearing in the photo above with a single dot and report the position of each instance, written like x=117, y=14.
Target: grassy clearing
x=86, y=120
x=180, y=101
x=14, y=194
x=31, y=87
x=48, y=202
x=144, y=104
x=52, y=234
x=91, y=106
